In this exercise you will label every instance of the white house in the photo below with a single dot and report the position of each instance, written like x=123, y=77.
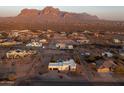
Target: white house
x=43, y=41
x=61, y=45
x=34, y=44
x=116, y=41
x=108, y=54
x=64, y=46
x=85, y=54
x=68, y=65
x=70, y=47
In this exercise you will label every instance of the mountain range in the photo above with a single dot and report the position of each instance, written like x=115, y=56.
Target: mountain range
x=55, y=19
x=55, y=13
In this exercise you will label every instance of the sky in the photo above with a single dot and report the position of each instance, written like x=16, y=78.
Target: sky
x=103, y=12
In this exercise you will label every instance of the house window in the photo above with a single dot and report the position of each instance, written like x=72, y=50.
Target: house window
x=55, y=68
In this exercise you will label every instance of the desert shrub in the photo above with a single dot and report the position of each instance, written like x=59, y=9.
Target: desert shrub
x=115, y=56
x=98, y=57
x=121, y=58
x=52, y=60
x=78, y=61
x=4, y=35
x=90, y=59
x=118, y=57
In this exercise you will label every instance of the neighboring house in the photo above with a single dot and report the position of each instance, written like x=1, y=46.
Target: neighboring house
x=83, y=41
x=48, y=35
x=85, y=54
x=61, y=45
x=64, y=46
x=49, y=30
x=116, y=41
x=107, y=54
x=70, y=47
x=96, y=34
x=63, y=34
x=105, y=66
x=34, y=44
x=87, y=32
x=43, y=41
x=74, y=34
x=13, y=34
x=61, y=65
x=19, y=53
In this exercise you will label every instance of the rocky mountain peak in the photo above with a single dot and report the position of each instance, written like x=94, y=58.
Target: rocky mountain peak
x=29, y=12
x=50, y=11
